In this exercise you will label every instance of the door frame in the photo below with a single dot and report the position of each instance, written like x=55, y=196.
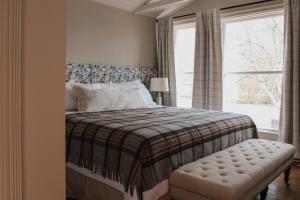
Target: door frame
x=10, y=100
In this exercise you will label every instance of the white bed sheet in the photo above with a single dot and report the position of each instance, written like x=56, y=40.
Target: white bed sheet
x=73, y=112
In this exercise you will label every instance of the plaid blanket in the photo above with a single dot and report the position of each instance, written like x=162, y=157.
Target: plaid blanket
x=141, y=147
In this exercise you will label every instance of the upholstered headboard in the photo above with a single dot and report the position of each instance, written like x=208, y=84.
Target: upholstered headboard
x=90, y=73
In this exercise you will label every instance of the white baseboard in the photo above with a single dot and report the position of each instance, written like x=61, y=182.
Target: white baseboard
x=268, y=135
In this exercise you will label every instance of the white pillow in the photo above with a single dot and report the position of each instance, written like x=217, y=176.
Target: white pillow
x=91, y=100
x=70, y=98
x=147, y=96
x=125, y=85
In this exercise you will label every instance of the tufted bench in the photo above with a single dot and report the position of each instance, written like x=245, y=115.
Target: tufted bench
x=239, y=172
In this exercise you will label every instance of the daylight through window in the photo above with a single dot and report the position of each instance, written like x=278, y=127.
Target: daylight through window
x=252, y=67
x=184, y=63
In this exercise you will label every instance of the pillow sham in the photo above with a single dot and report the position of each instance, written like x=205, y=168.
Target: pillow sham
x=147, y=96
x=92, y=100
x=70, y=98
x=125, y=85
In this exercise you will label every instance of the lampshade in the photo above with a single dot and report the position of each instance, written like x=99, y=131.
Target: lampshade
x=159, y=85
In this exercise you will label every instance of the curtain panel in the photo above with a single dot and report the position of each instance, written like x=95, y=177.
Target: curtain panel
x=289, y=122
x=165, y=56
x=207, y=89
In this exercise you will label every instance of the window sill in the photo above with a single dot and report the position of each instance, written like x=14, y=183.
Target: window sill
x=268, y=135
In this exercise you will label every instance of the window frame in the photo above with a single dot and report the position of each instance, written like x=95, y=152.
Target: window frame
x=240, y=16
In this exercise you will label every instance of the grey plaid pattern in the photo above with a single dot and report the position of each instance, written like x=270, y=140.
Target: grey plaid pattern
x=289, y=123
x=207, y=88
x=165, y=55
x=141, y=147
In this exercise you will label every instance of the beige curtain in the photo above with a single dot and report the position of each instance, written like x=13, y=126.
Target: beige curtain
x=165, y=56
x=207, y=89
x=289, y=123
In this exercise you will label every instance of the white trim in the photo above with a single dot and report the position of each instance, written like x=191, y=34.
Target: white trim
x=267, y=8
x=253, y=72
x=268, y=135
x=254, y=10
x=185, y=24
x=10, y=100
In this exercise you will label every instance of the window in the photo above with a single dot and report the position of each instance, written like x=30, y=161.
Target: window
x=184, y=63
x=252, y=67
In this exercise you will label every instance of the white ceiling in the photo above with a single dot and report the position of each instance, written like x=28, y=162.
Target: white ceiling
x=151, y=8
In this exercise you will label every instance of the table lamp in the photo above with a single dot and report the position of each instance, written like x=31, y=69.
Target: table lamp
x=159, y=85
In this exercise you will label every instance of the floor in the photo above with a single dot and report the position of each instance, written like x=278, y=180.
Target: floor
x=279, y=191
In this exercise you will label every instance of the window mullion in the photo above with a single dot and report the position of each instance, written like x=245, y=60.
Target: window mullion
x=253, y=72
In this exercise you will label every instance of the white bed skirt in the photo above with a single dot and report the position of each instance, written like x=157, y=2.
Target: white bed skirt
x=84, y=185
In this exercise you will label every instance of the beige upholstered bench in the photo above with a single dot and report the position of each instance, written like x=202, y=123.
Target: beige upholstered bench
x=239, y=172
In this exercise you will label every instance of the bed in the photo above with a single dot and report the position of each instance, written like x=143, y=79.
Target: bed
x=137, y=149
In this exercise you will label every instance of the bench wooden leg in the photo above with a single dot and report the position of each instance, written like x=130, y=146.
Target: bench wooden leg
x=287, y=175
x=263, y=194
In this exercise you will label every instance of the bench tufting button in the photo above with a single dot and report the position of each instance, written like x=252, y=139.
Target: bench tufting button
x=224, y=181
x=248, y=158
x=237, y=165
x=223, y=174
x=187, y=171
x=234, y=160
x=220, y=161
x=240, y=172
x=262, y=157
x=271, y=152
x=204, y=163
x=204, y=168
x=221, y=167
x=218, y=156
x=252, y=163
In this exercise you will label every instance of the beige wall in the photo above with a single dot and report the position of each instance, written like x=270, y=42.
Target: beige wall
x=43, y=76
x=98, y=34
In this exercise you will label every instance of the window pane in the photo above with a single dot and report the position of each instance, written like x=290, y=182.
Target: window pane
x=254, y=44
x=256, y=95
x=255, y=47
x=184, y=64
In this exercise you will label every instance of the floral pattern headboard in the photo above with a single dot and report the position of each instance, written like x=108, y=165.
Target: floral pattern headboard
x=90, y=73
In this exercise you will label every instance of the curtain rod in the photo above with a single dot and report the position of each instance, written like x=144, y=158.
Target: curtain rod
x=227, y=8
